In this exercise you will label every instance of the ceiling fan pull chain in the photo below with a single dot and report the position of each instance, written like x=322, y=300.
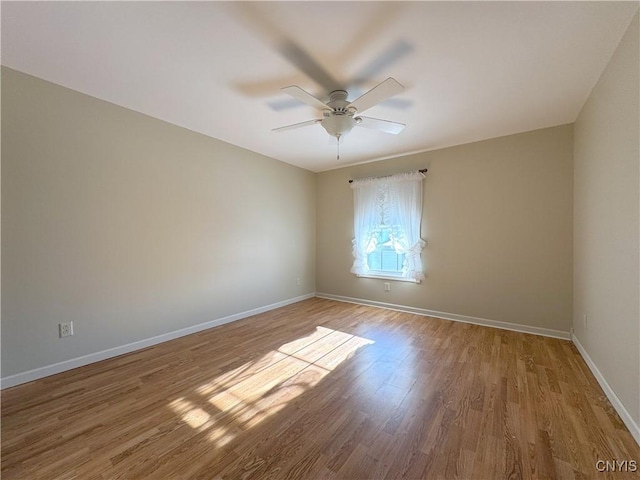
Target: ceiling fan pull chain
x=338, y=137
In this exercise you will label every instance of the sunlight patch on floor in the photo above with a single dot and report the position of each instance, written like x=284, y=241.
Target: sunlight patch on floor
x=193, y=416
x=243, y=397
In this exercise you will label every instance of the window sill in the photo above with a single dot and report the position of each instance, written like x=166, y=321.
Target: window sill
x=388, y=277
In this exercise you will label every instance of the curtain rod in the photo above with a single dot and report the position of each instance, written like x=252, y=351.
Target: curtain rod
x=423, y=170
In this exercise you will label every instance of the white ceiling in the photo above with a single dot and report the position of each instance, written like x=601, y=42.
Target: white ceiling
x=471, y=71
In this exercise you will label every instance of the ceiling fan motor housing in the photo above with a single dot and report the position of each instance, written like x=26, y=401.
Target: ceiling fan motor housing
x=340, y=120
x=338, y=100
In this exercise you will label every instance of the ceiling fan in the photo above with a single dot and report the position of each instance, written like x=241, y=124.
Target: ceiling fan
x=339, y=115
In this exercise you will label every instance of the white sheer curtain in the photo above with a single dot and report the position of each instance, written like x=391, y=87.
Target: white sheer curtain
x=405, y=208
x=396, y=202
x=366, y=219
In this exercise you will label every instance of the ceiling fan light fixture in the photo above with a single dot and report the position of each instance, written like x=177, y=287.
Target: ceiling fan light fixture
x=338, y=125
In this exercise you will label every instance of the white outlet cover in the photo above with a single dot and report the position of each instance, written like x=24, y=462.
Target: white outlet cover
x=65, y=329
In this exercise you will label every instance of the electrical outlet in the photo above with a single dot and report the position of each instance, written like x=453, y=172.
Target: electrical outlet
x=66, y=329
x=387, y=287
x=298, y=281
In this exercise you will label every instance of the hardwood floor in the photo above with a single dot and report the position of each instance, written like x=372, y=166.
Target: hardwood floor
x=322, y=389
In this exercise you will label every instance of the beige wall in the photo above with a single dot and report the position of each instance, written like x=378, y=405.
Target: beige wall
x=606, y=224
x=497, y=219
x=131, y=227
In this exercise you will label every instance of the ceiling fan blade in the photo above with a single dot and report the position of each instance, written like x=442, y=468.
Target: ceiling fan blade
x=397, y=103
x=296, y=125
x=305, y=97
x=377, y=94
x=382, y=125
x=306, y=64
x=391, y=55
x=284, y=104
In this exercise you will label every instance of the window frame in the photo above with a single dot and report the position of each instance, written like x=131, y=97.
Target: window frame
x=386, y=276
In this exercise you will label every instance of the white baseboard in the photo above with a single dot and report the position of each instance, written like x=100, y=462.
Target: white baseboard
x=546, y=332
x=59, y=367
x=626, y=417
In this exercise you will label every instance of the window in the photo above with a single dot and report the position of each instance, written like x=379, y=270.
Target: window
x=384, y=260
x=387, y=215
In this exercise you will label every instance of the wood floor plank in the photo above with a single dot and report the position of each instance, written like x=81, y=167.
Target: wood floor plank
x=320, y=390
